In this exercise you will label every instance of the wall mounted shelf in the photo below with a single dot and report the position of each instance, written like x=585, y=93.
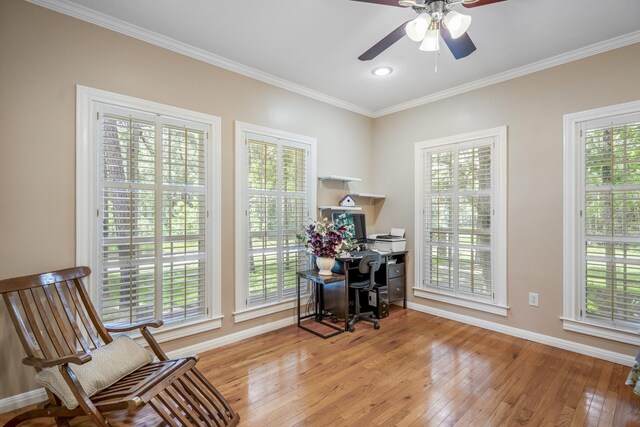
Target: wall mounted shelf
x=340, y=208
x=339, y=178
x=369, y=195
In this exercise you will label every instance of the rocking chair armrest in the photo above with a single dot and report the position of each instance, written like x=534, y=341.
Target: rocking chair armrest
x=141, y=325
x=36, y=362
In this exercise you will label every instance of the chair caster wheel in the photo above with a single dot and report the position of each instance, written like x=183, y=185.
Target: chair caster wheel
x=351, y=328
x=376, y=326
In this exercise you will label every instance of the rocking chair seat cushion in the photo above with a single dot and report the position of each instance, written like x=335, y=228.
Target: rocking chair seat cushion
x=108, y=364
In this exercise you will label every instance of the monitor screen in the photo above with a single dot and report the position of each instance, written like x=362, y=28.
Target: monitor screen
x=359, y=229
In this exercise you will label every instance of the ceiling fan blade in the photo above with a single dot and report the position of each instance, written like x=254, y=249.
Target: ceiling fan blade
x=384, y=2
x=481, y=3
x=460, y=47
x=385, y=43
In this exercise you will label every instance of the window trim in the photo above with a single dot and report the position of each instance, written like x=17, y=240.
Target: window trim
x=87, y=198
x=254, y=312
x=571, y=319
x=481, y=305
x=499, y=244
x=243, y=311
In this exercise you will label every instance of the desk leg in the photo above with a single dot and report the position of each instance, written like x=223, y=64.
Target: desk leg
x=298, y=289
x=318, y=290
x=346, y=296
x=404, y=300
x=319, y=305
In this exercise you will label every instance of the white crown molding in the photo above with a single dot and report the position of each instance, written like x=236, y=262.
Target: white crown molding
x=599, y=353
x=89, y=15
x=554, y=61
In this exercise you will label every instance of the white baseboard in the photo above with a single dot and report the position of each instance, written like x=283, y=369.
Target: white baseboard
x=611, y=356
x=21, y=400
x=36, y=396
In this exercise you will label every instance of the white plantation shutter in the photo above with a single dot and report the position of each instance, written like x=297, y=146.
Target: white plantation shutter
x=184, y=220
x=277, y=191
x=128, y=218
x=439, y=224
x=153, y=217
x=457, y=199
x=474, y=219
x=611, y=228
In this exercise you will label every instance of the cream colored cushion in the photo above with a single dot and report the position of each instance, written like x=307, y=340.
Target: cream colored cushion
x=108, y=364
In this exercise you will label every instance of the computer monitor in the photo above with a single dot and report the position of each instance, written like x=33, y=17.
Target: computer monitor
x=359, y=229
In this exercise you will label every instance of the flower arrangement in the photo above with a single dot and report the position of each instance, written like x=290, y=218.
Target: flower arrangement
x=326, y=239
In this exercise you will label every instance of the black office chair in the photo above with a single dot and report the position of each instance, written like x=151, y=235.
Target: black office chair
x=369, y=263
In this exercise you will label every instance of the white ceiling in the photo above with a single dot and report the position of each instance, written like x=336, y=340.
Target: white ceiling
x=315, y=43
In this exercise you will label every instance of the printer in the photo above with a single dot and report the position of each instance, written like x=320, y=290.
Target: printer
x=392, y=242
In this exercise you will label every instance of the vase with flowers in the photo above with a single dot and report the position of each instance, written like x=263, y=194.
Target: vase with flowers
x=325, y=239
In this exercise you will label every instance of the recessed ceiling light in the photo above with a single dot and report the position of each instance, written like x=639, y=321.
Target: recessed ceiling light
x=382, y=71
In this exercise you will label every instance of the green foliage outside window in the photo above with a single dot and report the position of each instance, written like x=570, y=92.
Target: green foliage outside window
x=612, y=222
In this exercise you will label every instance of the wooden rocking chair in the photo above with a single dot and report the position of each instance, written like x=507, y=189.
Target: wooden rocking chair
x=57, y=325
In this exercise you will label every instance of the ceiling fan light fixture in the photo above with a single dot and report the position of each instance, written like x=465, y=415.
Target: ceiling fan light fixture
x=431, y=42
x=417, y=28
x=457, y=23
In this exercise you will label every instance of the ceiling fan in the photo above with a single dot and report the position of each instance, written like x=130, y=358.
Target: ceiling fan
x=435, y=19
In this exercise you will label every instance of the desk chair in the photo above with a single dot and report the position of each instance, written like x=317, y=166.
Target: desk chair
x=369, y=263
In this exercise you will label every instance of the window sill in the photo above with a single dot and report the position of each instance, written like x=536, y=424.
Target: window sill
x=263, y=310
x=488, y=307
x=601, y=331
x=172, y=332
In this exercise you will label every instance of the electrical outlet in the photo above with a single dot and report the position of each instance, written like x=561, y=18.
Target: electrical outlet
x=534, y=299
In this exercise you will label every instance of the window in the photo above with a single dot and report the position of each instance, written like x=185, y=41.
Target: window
x=602, y=222
x=148, y=176
x=276, y=196
x=460, y=220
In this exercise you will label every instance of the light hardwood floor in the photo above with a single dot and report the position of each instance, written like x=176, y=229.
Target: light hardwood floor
x=416, y=370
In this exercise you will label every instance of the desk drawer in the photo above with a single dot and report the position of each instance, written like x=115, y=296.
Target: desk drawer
x=396, y=288
x=395, y=270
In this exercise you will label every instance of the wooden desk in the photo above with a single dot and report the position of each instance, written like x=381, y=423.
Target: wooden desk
x=392, y=274
x=318, y=280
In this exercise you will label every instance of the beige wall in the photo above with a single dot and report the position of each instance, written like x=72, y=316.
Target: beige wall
x=44, y=56
x=532, y=107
